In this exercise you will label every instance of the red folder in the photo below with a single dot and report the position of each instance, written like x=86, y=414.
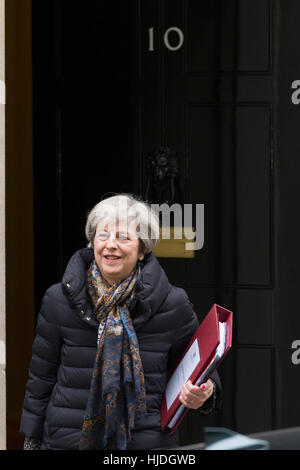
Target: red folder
x=201, y=349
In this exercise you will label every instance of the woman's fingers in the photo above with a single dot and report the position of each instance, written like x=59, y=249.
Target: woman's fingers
x=193, y=396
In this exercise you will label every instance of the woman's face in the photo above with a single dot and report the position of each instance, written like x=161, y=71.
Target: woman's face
x=116, y=251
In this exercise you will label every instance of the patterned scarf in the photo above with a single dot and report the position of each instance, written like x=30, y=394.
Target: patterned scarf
x=117, y=391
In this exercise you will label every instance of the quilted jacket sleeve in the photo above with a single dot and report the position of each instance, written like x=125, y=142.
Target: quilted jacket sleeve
x=42, y=372
x=185, y=328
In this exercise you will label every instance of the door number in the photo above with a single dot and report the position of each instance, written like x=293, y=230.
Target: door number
x=166, y=39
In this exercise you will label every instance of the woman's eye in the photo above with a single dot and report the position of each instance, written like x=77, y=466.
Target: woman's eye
x=123, y=237
x=103, y=236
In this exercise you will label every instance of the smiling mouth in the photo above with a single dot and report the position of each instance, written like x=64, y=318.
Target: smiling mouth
x=111, y=257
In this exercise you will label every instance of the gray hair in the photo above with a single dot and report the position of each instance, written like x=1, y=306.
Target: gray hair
x=134, y=211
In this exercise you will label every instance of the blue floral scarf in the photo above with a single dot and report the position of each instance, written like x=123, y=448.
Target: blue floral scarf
x=117, y=391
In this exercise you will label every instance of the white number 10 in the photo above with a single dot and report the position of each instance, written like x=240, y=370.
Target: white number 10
x=166, y=39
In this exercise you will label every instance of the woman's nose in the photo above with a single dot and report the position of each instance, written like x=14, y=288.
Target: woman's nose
x=111, y=241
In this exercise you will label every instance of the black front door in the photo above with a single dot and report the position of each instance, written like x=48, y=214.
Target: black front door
x=116, y=81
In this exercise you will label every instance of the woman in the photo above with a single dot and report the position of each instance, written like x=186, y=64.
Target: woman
x=107, y=337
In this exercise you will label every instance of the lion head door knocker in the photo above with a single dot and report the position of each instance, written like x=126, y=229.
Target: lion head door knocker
x=162, y=177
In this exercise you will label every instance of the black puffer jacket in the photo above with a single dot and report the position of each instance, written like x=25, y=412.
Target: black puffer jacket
x=65, y=346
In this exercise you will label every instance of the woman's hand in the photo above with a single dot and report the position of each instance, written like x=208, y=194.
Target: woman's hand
x=193, y=397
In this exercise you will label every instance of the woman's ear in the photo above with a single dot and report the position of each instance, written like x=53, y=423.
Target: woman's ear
x=141, y=250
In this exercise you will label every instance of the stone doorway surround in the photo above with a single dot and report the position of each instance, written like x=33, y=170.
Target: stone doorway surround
x=2, y=232
x=16, y=206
